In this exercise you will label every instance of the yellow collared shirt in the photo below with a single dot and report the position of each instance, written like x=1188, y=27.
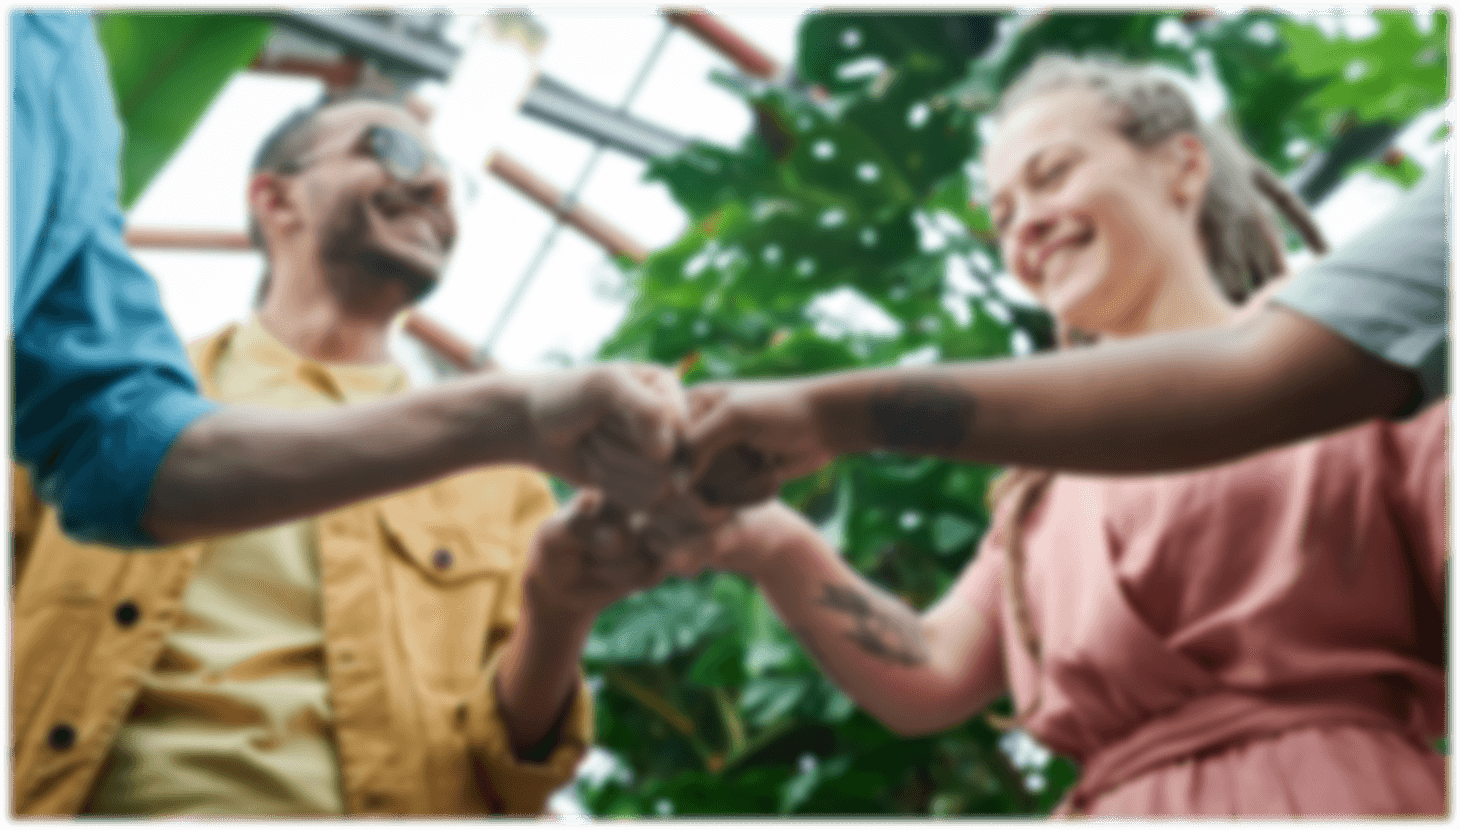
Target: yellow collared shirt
x=336, y=665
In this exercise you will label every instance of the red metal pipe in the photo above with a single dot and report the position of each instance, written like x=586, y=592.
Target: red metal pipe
x=443, y=342
x=589, y=223
x=726, y=41
x=342, y=74
x=202, y=240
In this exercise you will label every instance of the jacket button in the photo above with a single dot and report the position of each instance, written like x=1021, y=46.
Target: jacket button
x=61, y=737
x=442, y=559
x=126, y=613
x=375, y=801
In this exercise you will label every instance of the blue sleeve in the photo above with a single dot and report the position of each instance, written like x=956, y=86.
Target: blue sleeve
x=1387, y=290
x=102, y=382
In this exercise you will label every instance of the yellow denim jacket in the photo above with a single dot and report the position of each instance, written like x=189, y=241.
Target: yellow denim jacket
x=410, y=648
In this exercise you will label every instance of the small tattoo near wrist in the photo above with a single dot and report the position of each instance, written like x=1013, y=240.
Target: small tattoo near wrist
x=920, y=415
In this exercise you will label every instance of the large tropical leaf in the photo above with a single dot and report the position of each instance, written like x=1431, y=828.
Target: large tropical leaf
x=165, y=70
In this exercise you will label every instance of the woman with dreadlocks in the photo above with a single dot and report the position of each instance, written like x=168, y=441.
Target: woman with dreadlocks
x=1259, y=638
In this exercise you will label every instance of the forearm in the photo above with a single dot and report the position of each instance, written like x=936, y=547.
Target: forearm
x=539, y=673
x=874, y=646
x=244, y=467
x=1150, y=404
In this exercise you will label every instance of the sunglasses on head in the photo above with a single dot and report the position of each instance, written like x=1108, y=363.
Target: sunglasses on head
x=402, y=155
x=399, y=152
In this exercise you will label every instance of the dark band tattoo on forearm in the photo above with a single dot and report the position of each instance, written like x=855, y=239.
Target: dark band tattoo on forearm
x=919, y=415
x=895, y=637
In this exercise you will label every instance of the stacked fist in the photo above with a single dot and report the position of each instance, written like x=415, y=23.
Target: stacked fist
x=664, y=470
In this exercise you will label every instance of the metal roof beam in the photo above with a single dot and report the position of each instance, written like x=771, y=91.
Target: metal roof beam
x=549, y=100
x=377, y=41
x=556, y=103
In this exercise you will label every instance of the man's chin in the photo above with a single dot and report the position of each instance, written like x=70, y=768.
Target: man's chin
x=416, y=279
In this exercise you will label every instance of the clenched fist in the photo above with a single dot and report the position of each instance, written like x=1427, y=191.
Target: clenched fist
x=747, y=437
x=588, y=556
x=614, y=426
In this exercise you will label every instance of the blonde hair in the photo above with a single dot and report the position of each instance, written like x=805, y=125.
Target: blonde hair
x=1238, y=234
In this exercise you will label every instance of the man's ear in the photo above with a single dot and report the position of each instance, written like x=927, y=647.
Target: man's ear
x=1191, y=169
x=273, y=206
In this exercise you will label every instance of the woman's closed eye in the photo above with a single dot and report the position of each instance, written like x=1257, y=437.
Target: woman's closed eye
x=1052, y=174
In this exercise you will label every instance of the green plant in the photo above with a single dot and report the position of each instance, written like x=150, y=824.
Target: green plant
x=165, y=71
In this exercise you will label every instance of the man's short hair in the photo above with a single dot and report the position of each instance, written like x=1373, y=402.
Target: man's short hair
x=283, y=151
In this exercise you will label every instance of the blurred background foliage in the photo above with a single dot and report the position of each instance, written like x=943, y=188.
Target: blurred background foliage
x=860, y=184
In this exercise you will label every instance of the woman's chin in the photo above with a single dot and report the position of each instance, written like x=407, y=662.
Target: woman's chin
x=1070, y=303
x=1087, y=301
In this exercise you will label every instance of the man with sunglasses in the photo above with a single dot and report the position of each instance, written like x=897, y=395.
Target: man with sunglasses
x=108, y=421
x=414, y=654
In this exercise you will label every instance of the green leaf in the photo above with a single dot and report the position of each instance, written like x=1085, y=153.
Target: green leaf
x=721, y=664
x=767, y=699
x=1405, y=172
x=765, y=654
x=839, y=707
x=668, y=619
x=952, y=533
x=166, y=69
x=1391, y=75
x=798, y=790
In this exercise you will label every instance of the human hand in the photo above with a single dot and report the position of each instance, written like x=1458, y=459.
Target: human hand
x=615, y=426
x=747, y=437
x=587, y=556
x=746, y=541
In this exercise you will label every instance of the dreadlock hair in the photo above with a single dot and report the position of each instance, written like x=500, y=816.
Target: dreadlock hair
x=1237, y=231
x=283, y=151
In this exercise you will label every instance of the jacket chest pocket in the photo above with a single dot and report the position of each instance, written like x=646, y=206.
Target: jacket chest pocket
x=449, y=578
x=447, y=550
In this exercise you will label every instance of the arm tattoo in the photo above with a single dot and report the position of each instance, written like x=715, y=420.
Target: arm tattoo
x=891, y=634
x=920, y=415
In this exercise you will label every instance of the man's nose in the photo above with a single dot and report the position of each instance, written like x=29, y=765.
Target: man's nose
x=431, y=187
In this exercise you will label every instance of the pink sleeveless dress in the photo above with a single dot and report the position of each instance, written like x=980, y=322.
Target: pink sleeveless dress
x=1261, y=638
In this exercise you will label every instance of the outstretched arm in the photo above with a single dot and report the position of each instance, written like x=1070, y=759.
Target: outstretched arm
x=243, y=467
x=1156, y=403
x=1125, y=407
x=917, y=673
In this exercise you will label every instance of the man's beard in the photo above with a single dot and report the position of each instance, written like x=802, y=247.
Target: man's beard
x=359, y=274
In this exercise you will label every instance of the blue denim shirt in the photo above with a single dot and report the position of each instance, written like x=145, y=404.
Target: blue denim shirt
x=102, y=382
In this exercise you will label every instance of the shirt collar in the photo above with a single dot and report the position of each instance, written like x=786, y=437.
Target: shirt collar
x=344, y=382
